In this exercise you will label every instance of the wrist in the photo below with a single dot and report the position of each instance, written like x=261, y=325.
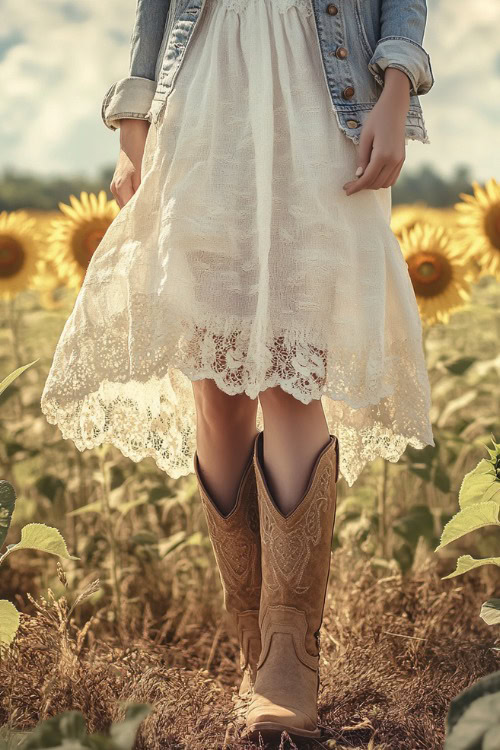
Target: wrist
x=132, y=126
x=133, y=123
x=397, y=83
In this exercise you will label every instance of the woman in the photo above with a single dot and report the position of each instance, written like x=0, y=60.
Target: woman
x=251, y=277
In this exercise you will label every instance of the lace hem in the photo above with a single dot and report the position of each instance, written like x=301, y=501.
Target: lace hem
x=375, y=406
x=282, y=6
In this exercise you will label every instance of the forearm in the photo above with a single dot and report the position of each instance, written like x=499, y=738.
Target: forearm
x=395, y=97
x=397, y=85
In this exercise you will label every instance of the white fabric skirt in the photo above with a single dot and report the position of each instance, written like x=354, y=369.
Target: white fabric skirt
x=241, y=259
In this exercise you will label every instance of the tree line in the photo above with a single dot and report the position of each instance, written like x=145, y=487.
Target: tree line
x=30, y=191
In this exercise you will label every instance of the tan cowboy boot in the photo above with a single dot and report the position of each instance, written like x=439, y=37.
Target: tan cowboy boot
x=236, y=543
x=295, y=570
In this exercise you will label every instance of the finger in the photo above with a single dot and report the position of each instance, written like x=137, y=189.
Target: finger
x=365, y=149
x=125, y=193
x=383, y=176
x=136, y=181
x=394, y=175
x=373, y=170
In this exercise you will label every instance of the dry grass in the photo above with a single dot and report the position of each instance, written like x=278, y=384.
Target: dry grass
x=394, y=653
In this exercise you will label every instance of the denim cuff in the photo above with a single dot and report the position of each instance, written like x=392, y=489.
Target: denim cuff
x=407, y=55
x=130, y=97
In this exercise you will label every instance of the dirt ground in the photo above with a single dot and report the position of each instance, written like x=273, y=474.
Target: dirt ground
x=394, y=652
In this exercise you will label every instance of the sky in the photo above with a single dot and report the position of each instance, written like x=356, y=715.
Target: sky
x=59, y=57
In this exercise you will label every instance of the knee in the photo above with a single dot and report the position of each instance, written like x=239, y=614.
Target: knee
x=276, y=399
x=215, y=407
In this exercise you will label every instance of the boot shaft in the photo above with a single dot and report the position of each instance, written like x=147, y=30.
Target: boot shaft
x=235, y=541
x=296, y=548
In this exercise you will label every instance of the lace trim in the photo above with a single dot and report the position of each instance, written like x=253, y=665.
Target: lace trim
x=282, y=6
x=135, y=390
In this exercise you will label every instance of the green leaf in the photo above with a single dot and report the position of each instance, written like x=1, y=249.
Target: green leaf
x=66, y=730
x=423, y=473
x=477, y=483
x=9, y=622
x=42, y=538
x=117, y=477
x=144, y=536
x=459, y=366
x=490, y=612
x=7, y=505
x=469, y=519
x=466, y=563
x=178, y=541
x=123, y=733
x=72, y=725
x=479, y=726
x=416, y=523
x=49, y=485
x=13, y=375
x=158, y=493
x=95, y=507
x=124, y=508
x=488, y=685
x=441, y=478
x=11, y=448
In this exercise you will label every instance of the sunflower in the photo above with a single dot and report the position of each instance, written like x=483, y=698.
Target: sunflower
x=408, y=214
x=439, y=272
x=19, y=252
x=75, y=236
x=479, y=226
x=48, y=282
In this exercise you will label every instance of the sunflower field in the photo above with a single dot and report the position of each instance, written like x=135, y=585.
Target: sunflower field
x=127, y=607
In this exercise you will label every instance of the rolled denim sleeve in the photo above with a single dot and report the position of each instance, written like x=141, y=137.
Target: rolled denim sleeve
x=400, y=46
x=131, y=97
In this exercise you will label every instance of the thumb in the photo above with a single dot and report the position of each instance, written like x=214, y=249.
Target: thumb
x=364, y=152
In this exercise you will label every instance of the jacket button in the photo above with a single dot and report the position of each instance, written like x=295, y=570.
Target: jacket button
x=332, y=10
x=341, y=52
x=352, y=123
x=348, y=92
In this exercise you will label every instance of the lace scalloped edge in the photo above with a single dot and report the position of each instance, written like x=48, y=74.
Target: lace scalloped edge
x=377, y=442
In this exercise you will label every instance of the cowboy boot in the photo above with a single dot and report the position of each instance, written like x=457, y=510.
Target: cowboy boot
x=295, y=557
x=235, y=539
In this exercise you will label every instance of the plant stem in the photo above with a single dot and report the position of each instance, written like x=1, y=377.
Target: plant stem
x=13, y=318
x=115, y=564
x=382, y=508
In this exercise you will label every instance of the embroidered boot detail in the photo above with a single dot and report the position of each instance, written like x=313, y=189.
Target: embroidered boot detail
x=235, y=541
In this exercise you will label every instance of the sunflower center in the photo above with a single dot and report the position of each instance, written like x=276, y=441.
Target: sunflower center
x=492, y=225
x=12, y=256
x=86, y=241
x=430, y=273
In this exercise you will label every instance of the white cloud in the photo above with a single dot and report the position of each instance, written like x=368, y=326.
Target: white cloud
x=55, y=79
x=462, y=110
x=68, y=52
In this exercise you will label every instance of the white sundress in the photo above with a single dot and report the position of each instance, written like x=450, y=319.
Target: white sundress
x=241, y=259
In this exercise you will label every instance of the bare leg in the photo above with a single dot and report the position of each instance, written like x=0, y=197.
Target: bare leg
x=294, y=435
x=225, y=432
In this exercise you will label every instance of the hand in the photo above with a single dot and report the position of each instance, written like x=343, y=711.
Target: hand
x=127, y=175
x=382, y=148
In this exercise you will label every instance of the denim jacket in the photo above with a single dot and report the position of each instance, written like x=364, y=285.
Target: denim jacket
x=358, y=40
